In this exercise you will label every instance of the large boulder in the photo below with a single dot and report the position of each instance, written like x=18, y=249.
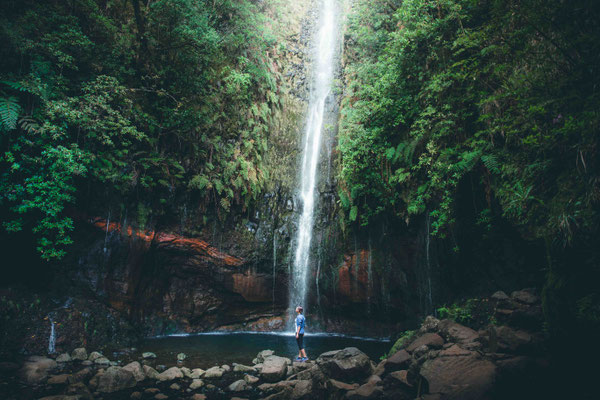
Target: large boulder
x=94, y=355
x=115, y=379
x=348, y=365
x=79, y=354
x=213, y=373
x=455, y=332
x=399, y=360
x=170, y=374
x=136, y=369
x=511, y=341
x=367, y=391
x=260, y=357
x=274, y=368
x=303, y=390
x=431, y=340
x=238, y=386
x=459, y=377
x=63, y=358
x=35, y=369
x=150, y=372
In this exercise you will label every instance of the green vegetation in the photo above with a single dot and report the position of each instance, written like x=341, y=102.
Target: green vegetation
x=133, y=106
x=404, y=338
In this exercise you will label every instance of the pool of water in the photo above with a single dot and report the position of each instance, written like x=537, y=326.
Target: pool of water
x=207, y=350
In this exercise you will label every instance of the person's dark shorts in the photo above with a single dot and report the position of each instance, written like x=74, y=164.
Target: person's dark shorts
x=300, y=341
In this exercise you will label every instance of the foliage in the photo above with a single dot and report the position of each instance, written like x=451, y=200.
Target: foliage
x=404, y=338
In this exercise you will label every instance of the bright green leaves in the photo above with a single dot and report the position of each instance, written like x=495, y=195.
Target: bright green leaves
x=9, y=113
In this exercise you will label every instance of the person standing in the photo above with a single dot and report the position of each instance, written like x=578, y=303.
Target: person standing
x=300, y=323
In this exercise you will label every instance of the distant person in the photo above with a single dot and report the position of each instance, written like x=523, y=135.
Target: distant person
x=300, y=323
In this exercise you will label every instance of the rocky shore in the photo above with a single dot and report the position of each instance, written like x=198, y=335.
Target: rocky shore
x=441, y=360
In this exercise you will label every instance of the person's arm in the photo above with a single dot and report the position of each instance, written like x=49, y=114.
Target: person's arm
x=297, y=330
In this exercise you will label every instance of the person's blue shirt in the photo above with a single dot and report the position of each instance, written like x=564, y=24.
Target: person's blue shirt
x=300, y=322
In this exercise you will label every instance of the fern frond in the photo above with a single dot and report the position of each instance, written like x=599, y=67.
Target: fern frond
x=9, y=112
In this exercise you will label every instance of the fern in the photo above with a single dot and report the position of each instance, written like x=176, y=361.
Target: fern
x=9, y=112
x=491, y=163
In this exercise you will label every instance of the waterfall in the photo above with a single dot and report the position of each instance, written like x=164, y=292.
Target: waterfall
x=321, y=88
x=274, y=265
x=52, y=338
x=369, y=278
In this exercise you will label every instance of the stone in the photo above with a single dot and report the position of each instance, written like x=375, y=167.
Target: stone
x=510, y=340
x=148, y=354
x=214, y=373
x=150, y=372
x=431, y=340
x=181, y=356
x=455, y=332
x=115, y=379
x=151, y=391
x=197, y=373
x=36, y=369
x=199, y=396
x=79, y=354
x=524, y=297
x=81, y=375
x=60, y=397
x=175, y=386
x=63, y=358
x=87, y=363
x=398, y=378
x=455, y=350
x=94, y=355
x=186, y=372
x=161, y=396
x=366, y=391
x=81, y=390
x=375, y=379
x=459, y=377
x=226, y=367
x=170, y=374
x=250, y=379
x=500, y=297
x=238, y=386
x=349, y=364
x=260, y=357
x=161, y=368
x=303, y=390
x=93, y=383
x=102, y=361
x=58, y=380
x=136, y=395
x=335, y=385
x=420, y=351
x=196, y=384
x=136, y=369
x=429, y=325
x=243, y=368
x=274, y=368
x=399, y=360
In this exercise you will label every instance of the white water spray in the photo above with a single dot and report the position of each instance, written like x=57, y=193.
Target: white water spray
x=52, y=338
x=323, y=78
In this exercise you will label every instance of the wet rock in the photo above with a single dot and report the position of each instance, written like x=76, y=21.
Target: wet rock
x=197, y=373
x=186, y=372
x=136, y=369
x=454, y=332
x=349, y=364
x=196, y=384
x=36, y=369
x=115, y=379
x=170, y=374
x=94, y=355
x=459, y=377
x=175, y=386
x=250, y=379
x=150, y=372
x=260, y=358
x=399, y=360
x=366, y=391
x=238, y=386
x=214, y=373
x=181, y=356
x=243, y=368
x=431, y=340
x=303, y=390
x=274, y=368
x=79, y=354
x=148, y=355
x=63, y=358
x=524, y=296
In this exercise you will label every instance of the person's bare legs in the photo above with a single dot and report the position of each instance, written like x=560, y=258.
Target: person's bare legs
x=303, y=353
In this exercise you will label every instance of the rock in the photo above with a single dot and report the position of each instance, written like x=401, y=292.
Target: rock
x=63, y=358
x=161, y=396
x=226, y=367
x=170, y=374
x=380, y=368
x=260, y=357
x=251, y=380
x=136, y=369
x=375, y=380
x=196, y=384
x=455, y=350
x=454, y=332
x=431, y=340
x=181, y=356
x=243, y=368
x=429, y=325
x=186, y=372
x=197, y=373
x=93, y=383
x=336, y=387
x=366, y=391
x=136, y=395
x=500, y=297
x=148, y=354
x=199, y=396
x=35, y=369
x=102, y=361
x=238, y=386
x=303, y=390
x=399, y=360
x=60, y=397
x=87, y=363
x=398, y=378
x=213, y=373
x=510, y=340
x=175, y=386
x=459, y=377
x=151, y=391
x=115, y=379
x=94, y=355
x=58, y=380
x=150, y=372
x=348, y=364
x=420, y=351
x=274, y=368
x=81, y=375
x=524, y=296
x=79, y=354
x=161, y=368
x=81, y=390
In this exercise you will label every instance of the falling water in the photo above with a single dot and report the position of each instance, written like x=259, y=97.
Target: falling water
x=274, y=265
x=52, y=339
x=323, y=78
